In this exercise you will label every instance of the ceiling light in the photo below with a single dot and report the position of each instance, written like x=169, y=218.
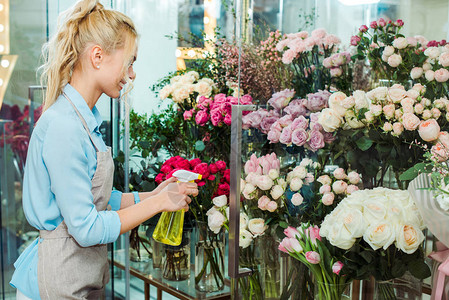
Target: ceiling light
x=5, y=63
x=358, y=2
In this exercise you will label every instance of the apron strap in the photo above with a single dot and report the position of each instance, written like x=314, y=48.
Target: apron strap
x=82, y=121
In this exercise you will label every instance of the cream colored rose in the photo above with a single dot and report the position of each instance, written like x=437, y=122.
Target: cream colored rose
x=248, y=191
x=444, y=59
x=407, y=101
x=348, y=102
x=373, y=210
x=165, y=92
x=264, y=182
x=354, y=221
x=335, y=103
x=419, y=108
x=180, y=94
x=354, y=177
x=410, y=121
x=339, y=236
x=245, y=238
x=380, y=235
x=412, y=94
x=430, y=75
x=389, y=111
x=395, y=60
x=203, y=89
x=408, y=238
x=376, y=110
x=395, y=95
x=330, y=120
x=432, y=52
x=273, y=174
x=387, y=127
x=257, y=226
x=426, y=66
x=296, y=184
x=388, y=50
x=427, y=114
x=175, y=79
x=297, y=199
x=193, y=74
x=339, y=187
x=324, y=180
x=216, y=221
x=352, y=121
x=282, y=182
x=443, y=138
x=360, y=100
x=400, y=43
x=300, y=172
x=378, y=94
x=276, y=191
x=243, y=221
x=398, y=128
x=429, y=130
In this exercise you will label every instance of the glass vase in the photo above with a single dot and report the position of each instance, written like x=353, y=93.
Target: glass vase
x=405, y=287
x=157, y=253
x=176, y=266
x=270, y=265
x=296, y=280
x=209, y=259
x=250, y=287
x=330, y=291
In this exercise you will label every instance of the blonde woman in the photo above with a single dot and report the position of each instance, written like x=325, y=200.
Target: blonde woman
x=68, y=175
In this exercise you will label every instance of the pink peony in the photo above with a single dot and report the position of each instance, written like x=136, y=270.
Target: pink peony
x=325, y=189
x=351, y=189
x=201, y=117
x=272, y=206
x=263, y=202
x=339, y=187
x=441, y=75
x=328, y=199
x=339, y=173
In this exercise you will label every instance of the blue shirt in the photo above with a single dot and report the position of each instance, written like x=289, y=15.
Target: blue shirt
x=61, y=162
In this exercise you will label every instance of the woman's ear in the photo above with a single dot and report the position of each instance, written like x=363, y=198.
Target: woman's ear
x=96, y=56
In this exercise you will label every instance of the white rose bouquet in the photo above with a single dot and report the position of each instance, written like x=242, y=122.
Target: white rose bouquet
x=381, y=229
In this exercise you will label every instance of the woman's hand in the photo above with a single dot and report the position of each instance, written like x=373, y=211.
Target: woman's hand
x=163, y=184
x=175, y=195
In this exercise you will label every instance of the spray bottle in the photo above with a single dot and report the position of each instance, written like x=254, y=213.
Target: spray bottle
x=170, y=225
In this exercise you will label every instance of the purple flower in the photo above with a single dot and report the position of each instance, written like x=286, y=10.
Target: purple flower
x=296, y=108
x=273, y=135
x=281, y=99
x=318, y=101
x=316, y=140
x=300, y=123
x=328, y=137
x=286, y=136
x=266, y=123
x=299, y=137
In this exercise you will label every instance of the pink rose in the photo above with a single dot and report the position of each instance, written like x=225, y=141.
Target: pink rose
x=419, y=108
x=394, y=60
x=389, y=111
x=216, y=117
x=381, y=22
x=300, y=123
x=201, y=117
x=336, y=267
x=228, y=119
x=325, y=189
x=281, y=99
x=272, y=206
x=398, y=128
x=436, y=113
x=339, y=173
x=429, y=130
x=339, y=187
x=412, y=94
x=355, y=39
x=296, y=108
x=430, y=75
x=297, y=199
x=263, y=202
x=328, y=199
x=443, y=138
x=441, y=75
x=266, y=123
x=354, y=177
x=299, y=137
x=427, y=114
x=188, y=114
x=363, y=28
x=439, y=152
x=387, y=127
x=410, y=121
x=408, y=108
x=316, y=140
x=373, y=24
x=285, y=120
x=274, y=135
x=444, y=59
x=416, y=72
x=336, y=72
x=286, y=136
x=324, y=179
x=313, y=257
x=351, y=189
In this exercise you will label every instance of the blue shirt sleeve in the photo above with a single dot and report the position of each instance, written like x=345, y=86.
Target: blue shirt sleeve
x=64, y=154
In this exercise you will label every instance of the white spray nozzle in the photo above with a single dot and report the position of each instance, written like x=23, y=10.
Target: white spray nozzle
x=186, y=176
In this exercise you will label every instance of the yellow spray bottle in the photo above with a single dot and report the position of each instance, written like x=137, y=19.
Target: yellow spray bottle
x=170, y=225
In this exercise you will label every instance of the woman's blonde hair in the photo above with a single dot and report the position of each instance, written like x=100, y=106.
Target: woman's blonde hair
x=86, y=22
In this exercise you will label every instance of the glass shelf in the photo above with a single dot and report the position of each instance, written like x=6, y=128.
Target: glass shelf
x=153, y=277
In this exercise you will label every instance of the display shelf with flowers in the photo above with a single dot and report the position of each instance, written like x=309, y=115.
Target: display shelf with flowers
x=305, y=55
x=323, y=260
x=213, y=190
x=381, y=231
x=381, y=124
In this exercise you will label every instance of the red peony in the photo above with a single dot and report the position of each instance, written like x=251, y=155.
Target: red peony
x=194, y=162
x=159, y=178
x=213, y=168
x=221, y=165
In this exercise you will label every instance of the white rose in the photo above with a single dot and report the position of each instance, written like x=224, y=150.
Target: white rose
x=295, y=184
x=330, y=120
x=324, y=180
x=348, y=102
x=203, y=89
x=215, y=221
x=297, y=199
x=282, y=182
x=339, y=187
x=264, y=182
x=426, y=66
x=399, y=43
x=374, y=210
x=352, y=121
x=306, y=162
x=394, y=60
x=243, y=221
x=339, y=236
x=300, y=172
x=165, y=92
x=379, y=94
x=360, y=100
x=380, y=235
x=257, y=226
x=430, y=75
x=220, y=201
x=273, y=174
x=432, y=52
x=335, y=103
x=354, y=177
x=416, y=72
x=396, y=95
x=248, y=190
x=245, y=238
x=354, y=221
x=408, y=238
x=389, y=50
x=276, y=192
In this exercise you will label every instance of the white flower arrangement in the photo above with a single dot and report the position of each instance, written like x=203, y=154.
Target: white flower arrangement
x=380, y=216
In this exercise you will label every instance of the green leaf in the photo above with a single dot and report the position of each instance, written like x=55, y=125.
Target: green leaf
x=367, y=256
x=414, y=171
x=419, y=269
x=398, y=268
x=199, y=146
x=364, y=143
x=283, y=224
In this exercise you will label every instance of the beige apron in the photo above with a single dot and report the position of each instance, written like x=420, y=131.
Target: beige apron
x=65, y=269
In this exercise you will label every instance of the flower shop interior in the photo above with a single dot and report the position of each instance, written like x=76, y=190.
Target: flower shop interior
x=317, y=126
